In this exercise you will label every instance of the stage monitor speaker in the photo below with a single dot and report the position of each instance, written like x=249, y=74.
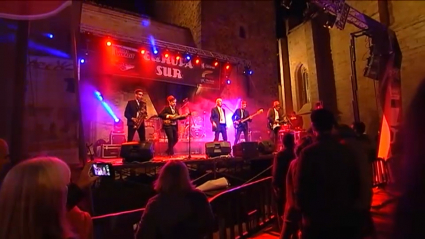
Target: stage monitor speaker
x=246, y=150
x=136, y=151
x=266, y=147
x=214, y=149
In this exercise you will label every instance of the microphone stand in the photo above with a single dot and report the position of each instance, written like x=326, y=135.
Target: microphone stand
x=190, y=135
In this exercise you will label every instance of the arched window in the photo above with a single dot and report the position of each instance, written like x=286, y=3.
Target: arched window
x=301, y=78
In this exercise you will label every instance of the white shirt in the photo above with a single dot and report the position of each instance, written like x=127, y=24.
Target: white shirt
x=276, y=115
x=173, y=110
x=221, y=113
x=242, y=113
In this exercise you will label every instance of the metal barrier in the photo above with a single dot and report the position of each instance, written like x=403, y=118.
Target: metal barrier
x=239, y=212
x=381, y=173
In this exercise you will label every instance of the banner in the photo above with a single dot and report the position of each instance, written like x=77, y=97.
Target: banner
x=51, y=109
x=32, y=9
x=168, y=67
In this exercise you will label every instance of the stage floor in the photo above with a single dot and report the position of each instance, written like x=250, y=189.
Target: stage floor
x=156, y=159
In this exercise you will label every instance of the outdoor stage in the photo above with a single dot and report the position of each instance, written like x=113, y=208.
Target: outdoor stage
x=132, y=185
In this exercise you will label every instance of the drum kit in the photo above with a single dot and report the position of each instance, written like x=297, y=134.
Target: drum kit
x=193, y=126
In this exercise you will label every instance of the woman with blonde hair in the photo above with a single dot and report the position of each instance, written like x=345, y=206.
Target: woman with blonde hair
x=33, y=200
x=179, y=210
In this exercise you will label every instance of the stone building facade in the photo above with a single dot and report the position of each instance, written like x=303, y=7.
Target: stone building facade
x=244, y=29
x=319, y=61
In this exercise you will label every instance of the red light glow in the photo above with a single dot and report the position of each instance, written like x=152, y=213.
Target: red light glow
x=227, y=67
x=177, y=57
x=197, y=61
x=166, y=55
x=215, y=63
x=142, y=51
x=109, y=43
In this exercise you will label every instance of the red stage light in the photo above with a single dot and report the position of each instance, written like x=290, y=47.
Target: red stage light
x=142, y=51
x=197, y=61
x=216, y=63
x=227, y=67
x=166, y=55
x=177, y=57
x=109, y=43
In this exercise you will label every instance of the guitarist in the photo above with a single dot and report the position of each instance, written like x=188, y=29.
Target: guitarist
x=275, y=118
x=170, y=116
x=133, y=108
x=218, y=120
x=241, y=114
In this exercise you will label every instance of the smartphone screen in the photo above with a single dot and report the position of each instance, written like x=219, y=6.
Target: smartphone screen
x=102, y=169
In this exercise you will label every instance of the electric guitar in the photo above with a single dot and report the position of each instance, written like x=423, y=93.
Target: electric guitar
x=238, y=123
x=276, y=124
x=173, y=118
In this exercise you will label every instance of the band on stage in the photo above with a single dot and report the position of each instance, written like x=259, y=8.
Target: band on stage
x=136, y=115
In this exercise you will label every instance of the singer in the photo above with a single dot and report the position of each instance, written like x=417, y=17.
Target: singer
x=218, y=120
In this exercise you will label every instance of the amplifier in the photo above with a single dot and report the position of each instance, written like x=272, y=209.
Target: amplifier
x=109, y=151
x=117, y=137
x=214, y=149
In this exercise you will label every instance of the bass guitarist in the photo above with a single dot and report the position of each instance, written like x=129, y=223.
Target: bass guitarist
x=241, y=127
x=275, y=118
x=170, y=116
x=133, y=111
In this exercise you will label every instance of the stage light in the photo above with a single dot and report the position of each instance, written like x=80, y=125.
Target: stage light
x=155, y=52
x=216, y=63
x=227, y=67
x=142, y=52
x=49, y=35
x=82, y=61
x=177, y=57
x=166, y=55
x=197, y=61
x=228, y=82
x=108, y=43
x=248, y=71
x=106, y=106
x=187, y=56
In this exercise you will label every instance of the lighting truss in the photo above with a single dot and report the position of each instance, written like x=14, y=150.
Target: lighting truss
x=165, y=45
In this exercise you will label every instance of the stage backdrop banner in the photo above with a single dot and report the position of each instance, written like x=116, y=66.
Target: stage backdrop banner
x=142, y=63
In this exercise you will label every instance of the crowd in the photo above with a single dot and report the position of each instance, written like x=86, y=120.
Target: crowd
x=323, y=187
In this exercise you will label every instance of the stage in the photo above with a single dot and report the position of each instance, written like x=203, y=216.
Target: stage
x=132, y=185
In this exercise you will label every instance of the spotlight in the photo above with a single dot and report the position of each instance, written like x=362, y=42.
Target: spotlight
x=216, y=63
x=108, y=43
x=187, y=56
x=197, y=61
x=166, y=55
x=227, y=67
x=82, y=61
x=142, y=52
x=177, y=58
x=228, y=81
x=49, y=35
x=330, y=21
x=155, y=52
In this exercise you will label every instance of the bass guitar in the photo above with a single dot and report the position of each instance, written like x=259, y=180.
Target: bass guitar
x=238, y=123
x=173, y=118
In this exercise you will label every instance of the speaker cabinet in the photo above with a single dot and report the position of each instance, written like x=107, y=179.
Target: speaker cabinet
x=214, y=149
x=136, y=151
x=246, y=150
x=266, y=147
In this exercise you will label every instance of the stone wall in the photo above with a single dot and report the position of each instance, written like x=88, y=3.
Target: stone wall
x=409, y=29
x=181, y=13
x=245, y=29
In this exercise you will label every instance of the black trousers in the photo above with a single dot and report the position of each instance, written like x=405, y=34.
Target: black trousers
x=140, y=131
x=172, y=136
x=221, y=128
x=274, y=136
x=239, y=131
